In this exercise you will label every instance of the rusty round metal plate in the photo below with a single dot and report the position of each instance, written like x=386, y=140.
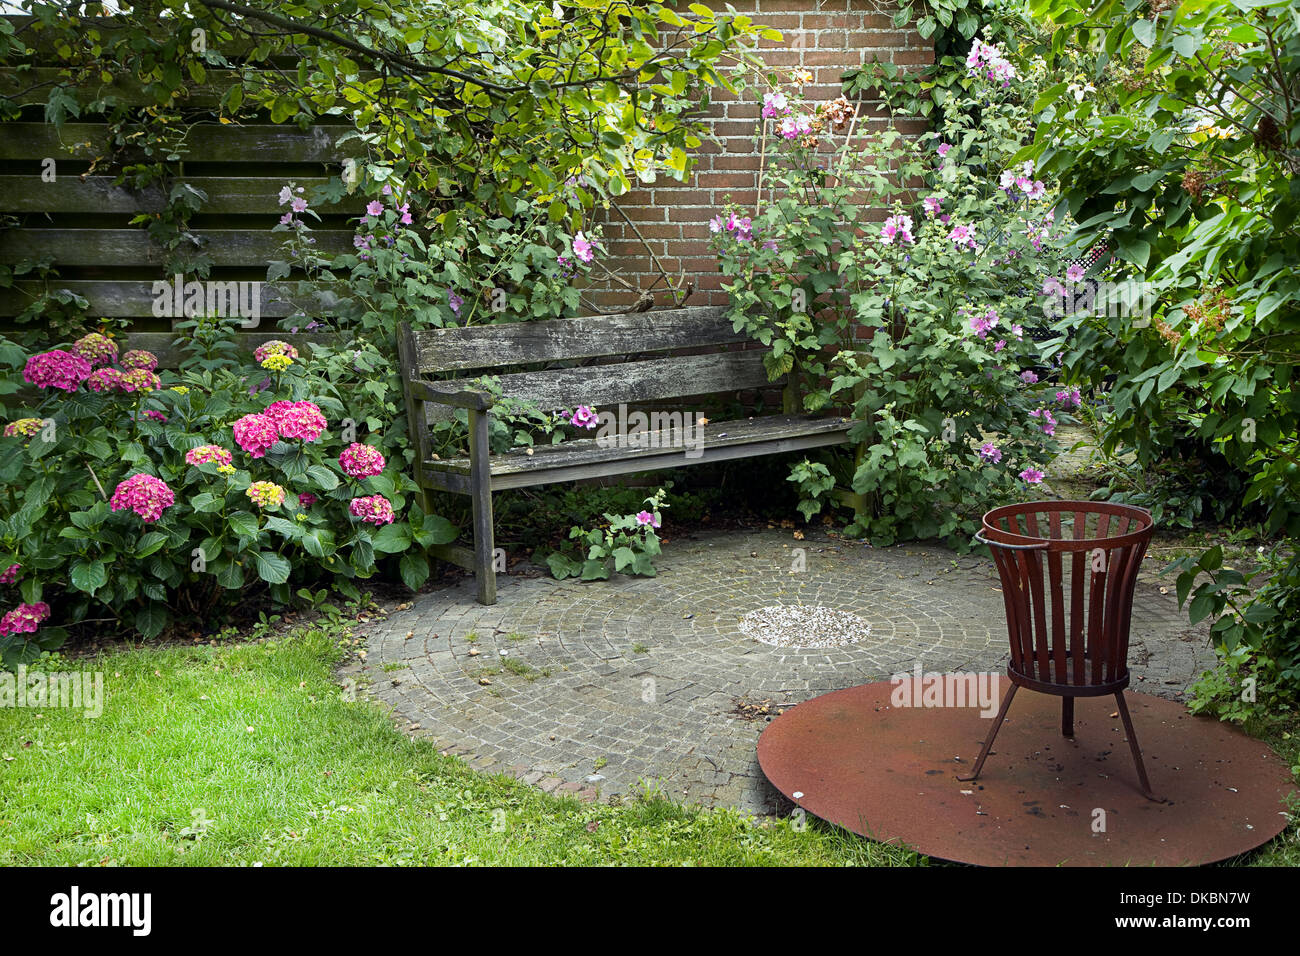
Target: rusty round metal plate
x=890, y=773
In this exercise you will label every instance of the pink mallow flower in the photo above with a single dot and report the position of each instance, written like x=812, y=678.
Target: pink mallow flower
x=645, y=517
x=775, y=104
x=582, y=247
x=896, y=227
x=584, y=417
x=374, y=509
x=962, y=236
x=1069, y=398
x=984, y=322
x=990, y=452
x=932, y=205
x=795, y=126
x=1028, y=377
x=56, y=369
x=144, y=494
x=208, y=455
x=24, y=619
x=361, y=461
x=1032, y=475
x=256, y=434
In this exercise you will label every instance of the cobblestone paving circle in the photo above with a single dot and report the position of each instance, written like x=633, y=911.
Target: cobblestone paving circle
x=606, y=687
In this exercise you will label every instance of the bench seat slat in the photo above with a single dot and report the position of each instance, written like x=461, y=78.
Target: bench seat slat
x=644, y=381
x=460, y=348
x=585, y=457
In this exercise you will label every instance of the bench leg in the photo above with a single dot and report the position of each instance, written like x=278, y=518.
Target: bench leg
x=480, y=477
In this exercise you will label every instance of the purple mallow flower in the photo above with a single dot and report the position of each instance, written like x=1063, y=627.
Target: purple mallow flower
x=584, y=417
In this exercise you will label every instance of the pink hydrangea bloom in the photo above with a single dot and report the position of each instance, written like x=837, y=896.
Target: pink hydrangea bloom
x=144, y=494
x=274, y=347
x=139, y=380
x=139, y=358
x=96, y=349
x=24, y=619
x=56, y=369
x=256, y=434
x=265, y=494
x=374, y=509
x=306, y=499
x=208, y=455
x=361, y=461
x=302, y=420
x=10, y=574
x=23, y=428
x=105, y=380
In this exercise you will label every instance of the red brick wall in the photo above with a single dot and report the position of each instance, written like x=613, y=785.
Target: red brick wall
x=824, y=37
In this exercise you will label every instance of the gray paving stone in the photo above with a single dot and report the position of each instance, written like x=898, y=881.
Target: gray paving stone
x=669, y=715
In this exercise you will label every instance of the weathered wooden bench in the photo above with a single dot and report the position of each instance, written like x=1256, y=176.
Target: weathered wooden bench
x=471, y=352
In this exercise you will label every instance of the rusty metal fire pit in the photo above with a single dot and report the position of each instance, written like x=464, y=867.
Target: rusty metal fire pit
x=1068, y=570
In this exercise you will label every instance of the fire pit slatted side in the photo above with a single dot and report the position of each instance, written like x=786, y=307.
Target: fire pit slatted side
x=1076, y=647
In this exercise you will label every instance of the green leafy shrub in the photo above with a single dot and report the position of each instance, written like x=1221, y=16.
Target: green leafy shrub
x=625, y=543
x=1182, y=156
x=140, y=497
x=919, y=323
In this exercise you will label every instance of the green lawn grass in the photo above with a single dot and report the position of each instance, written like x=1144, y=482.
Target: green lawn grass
x=249, y=754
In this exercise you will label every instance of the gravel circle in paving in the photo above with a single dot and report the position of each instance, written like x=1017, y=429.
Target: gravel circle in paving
x=607, y=687
x=794, y=625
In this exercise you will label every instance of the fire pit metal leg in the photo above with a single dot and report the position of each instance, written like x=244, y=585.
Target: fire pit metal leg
x=993, y=732
x=1137, y=751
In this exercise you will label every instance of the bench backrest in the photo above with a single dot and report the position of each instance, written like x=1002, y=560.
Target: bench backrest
x=480, y=350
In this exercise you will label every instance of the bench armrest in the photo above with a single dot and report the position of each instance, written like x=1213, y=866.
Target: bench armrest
x=473, y=399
